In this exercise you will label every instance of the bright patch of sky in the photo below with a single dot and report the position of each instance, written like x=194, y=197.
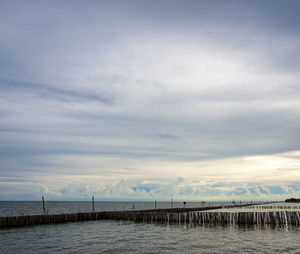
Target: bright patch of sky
x=195, y=100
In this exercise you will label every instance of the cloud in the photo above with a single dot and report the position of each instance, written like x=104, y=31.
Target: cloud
x=50, y=92
x=73, y=176
x=179, y=191
x=199, y=90
x=167, y=136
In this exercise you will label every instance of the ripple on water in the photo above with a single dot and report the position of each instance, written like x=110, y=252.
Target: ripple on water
x=128, y=237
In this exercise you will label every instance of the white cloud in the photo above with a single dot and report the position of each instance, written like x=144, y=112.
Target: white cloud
x=264, y=177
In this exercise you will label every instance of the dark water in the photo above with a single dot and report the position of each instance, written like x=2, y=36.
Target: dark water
x=17, y=208
x=129, y=237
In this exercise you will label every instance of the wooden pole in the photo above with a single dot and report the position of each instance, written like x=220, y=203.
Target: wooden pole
x=155, y=204
x=93, y=203
x=171, y=202
x=44, y=208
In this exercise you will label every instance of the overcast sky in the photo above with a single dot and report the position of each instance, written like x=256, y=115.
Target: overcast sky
x=195, y=100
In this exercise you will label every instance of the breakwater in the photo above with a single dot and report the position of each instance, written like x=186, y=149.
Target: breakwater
x=203, y=215
x=150, y=215
x=220, y=215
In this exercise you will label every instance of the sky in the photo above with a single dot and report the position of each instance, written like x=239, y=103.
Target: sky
x=149, y=100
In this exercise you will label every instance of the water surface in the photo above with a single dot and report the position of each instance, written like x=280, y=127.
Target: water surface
x=129, y=237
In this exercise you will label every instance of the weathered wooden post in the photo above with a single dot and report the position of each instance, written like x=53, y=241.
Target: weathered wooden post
x=171, y=202
x=44, y=208
x=93, y=203
x=155, y=204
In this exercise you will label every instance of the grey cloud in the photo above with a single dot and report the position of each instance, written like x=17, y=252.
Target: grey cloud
x=51, y=92
x=167, y=136
x=92, y=78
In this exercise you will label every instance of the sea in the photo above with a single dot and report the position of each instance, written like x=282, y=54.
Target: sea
x=107, y=236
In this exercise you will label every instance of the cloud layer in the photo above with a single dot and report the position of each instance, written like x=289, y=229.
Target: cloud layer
x=123, y=98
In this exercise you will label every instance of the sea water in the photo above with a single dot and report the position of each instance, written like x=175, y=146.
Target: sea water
x=128, y=237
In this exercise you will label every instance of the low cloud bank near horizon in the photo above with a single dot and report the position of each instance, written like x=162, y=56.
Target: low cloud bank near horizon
x=218, y=191
x=263, y=177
